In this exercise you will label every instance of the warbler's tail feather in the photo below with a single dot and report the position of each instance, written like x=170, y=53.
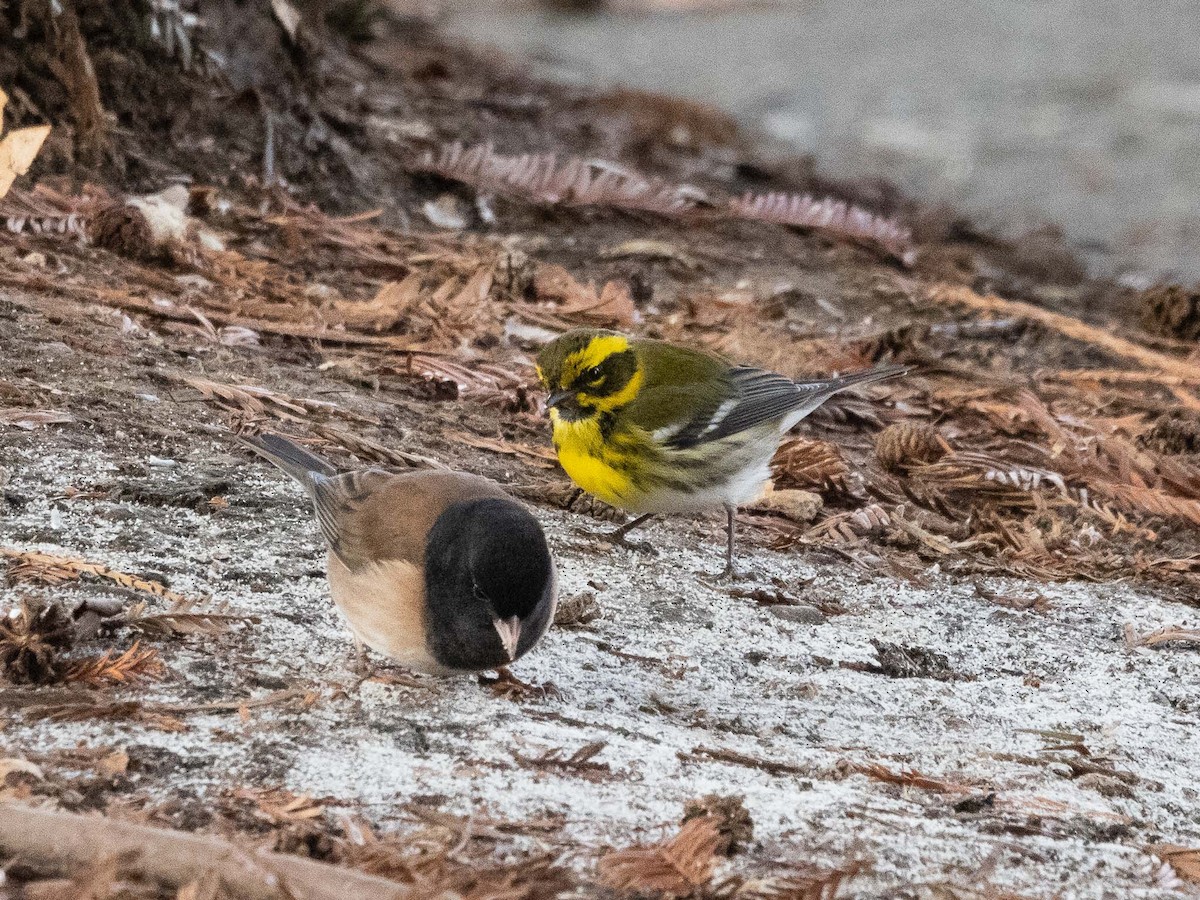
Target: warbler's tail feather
x=814, y=393
x=307, y=468
x=831, y=386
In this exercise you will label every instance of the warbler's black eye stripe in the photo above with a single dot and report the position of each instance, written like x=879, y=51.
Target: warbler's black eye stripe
x=615, y=372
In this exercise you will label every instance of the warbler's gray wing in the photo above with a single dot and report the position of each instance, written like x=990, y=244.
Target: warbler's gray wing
x=759, y=396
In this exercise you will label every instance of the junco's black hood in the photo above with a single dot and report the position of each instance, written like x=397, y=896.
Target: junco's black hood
x=486, y=561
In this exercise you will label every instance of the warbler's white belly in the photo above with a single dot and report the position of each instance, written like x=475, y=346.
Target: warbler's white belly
x=731, y=472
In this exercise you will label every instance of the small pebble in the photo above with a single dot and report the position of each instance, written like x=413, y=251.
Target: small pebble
x=1105, y=785
x=799, y=506
x=801, y=614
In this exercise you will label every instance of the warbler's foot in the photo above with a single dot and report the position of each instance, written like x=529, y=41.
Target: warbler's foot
x=618, y=539
x=509, y=687
x=729, y=573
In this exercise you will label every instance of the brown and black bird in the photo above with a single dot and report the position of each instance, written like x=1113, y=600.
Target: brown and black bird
x=439, y=571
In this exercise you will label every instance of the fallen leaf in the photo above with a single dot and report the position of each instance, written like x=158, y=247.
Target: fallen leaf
x=9, y=766
x=650, y=249
x=553, y=282
x=395, y=301
x=29, y=419
x=1184, y=860
x=288, y=16
x=18, y=149
x=116, y=763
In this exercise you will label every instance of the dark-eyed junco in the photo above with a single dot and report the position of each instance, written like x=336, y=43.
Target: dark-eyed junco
x=440, y=572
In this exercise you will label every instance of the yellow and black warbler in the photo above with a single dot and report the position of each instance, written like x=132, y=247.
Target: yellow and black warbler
x=654, y=428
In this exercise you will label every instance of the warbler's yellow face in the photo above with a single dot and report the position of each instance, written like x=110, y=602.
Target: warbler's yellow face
x=588, y=372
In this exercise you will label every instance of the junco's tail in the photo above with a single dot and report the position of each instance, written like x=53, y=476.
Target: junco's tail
x=291, y=458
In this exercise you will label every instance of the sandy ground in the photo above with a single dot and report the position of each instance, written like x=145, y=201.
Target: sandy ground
x=1022, y=113
x=677, y=669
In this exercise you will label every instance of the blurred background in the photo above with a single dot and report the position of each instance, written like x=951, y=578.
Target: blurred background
x=1023, y=113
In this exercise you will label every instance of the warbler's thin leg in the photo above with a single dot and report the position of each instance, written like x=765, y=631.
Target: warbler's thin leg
x=730, y=530
x=618, y=536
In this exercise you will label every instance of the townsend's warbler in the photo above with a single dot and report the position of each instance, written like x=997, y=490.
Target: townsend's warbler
x=654, y=428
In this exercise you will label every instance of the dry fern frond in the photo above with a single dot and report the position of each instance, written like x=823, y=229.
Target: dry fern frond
x=257, y=402
x=581, y=762
x=45, y=211
x=371, y=451
x=1172, y=436
x=849, y=527
x=1159, y=503
x=29, y=565
x=828, y=214
x=906, y=444
x=808, y=463
x=1070, y=327
x=732, y=818
x=673, y=868
x=132, y=665
x=131, y=710
x=543, y=178
x=981, y=476
x=187, y=622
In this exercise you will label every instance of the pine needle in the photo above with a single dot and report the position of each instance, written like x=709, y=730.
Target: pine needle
x=952, y=295
x=134, y=664
x=673, y=868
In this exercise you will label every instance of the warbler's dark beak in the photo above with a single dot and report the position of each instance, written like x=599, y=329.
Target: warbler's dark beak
x=558, y=398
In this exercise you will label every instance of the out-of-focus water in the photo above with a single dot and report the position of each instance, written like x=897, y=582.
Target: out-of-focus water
x=1021, y=112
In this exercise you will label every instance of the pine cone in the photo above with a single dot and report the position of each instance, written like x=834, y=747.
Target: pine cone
x=30, y=639
x=905, y=444
x=124, y=230
x=730, y=816
x=1172, y=310
x=810, y=464
x=1172, y=437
